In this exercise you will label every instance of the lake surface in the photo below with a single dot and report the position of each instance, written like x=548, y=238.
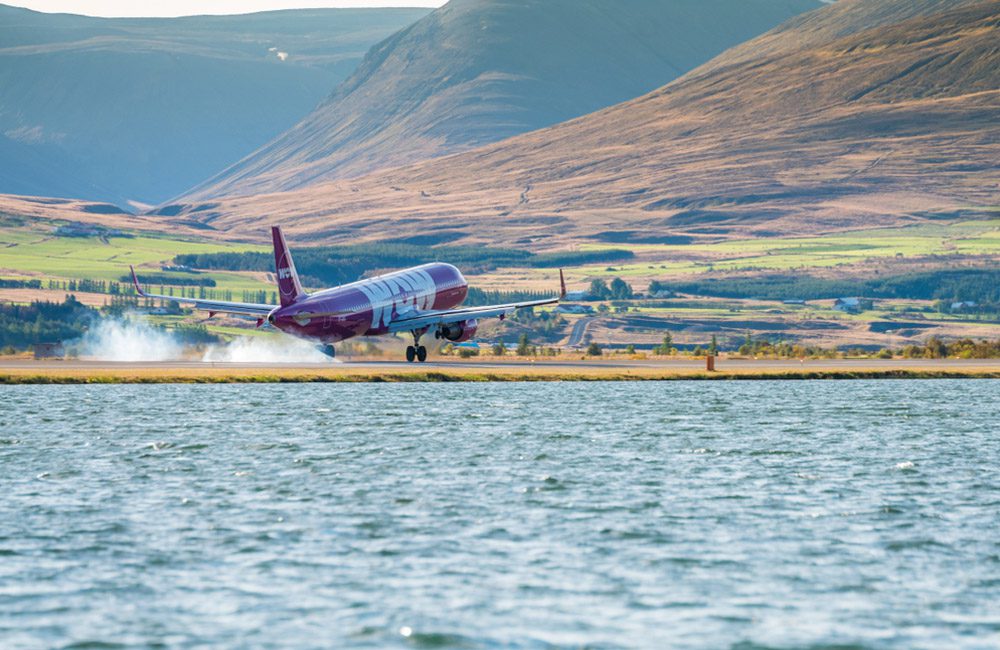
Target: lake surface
x=679, y=514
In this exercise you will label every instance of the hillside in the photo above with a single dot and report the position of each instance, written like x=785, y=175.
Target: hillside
x=139, y=109
x=479, y=71
x=829, y=126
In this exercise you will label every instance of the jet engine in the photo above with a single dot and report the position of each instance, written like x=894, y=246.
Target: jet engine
x=457, y=332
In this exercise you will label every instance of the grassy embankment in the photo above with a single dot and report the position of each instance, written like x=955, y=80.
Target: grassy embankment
x=341, y=374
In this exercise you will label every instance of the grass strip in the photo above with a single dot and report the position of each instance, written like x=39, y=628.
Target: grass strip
x=223, y=376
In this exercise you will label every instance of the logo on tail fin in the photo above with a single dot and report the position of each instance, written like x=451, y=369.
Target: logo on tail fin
x=289, y=288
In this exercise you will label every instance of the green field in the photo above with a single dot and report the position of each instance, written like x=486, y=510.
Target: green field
x=979, y=237
x=34, y=252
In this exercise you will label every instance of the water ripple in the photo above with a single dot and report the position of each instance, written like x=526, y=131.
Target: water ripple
x=599, y=515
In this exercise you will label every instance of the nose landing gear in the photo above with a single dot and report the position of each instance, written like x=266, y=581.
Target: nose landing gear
x=416, y=352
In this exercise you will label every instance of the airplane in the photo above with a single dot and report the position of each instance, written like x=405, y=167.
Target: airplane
x=417, y=300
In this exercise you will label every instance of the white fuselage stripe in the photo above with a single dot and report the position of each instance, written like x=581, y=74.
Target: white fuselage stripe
x=414, y=288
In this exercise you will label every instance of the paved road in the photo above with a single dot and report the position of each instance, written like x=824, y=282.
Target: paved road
x=579, y=329
x=562, y=364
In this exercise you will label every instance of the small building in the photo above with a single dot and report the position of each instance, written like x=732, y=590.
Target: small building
x=793, y=302
x=77, y=229
x=575, y=309
x=577, y=295
x=852, y=305
x=962, y=306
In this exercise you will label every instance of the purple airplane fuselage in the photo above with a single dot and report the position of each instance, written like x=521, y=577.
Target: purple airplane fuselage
x=367, y=307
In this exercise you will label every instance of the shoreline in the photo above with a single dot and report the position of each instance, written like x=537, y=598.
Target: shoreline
x=14, y=372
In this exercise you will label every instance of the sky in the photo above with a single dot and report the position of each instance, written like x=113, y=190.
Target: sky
x=114, y=8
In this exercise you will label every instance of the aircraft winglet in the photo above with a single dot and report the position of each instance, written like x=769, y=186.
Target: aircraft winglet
x=135, y=281
x=562, y=285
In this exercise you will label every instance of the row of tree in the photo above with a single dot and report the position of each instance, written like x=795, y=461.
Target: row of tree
x=933, y=348
x=200, y=288
x=20, y=284
x=936, y=348
x=618, y=290
x=23, y=326
x=952, y=285
x=333, y=265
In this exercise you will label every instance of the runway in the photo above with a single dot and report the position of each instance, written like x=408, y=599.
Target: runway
x=22, y=370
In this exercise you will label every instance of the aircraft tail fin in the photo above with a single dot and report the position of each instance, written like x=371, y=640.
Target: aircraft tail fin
x=289, y=288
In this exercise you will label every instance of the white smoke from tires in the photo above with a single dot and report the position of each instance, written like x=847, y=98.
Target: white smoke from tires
x=131, y=339
x=247, y=349
x=127, y=339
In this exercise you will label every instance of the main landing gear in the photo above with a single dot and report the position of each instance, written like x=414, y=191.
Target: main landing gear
x=416, y=352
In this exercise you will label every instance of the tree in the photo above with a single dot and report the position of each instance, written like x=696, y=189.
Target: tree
x=629, y=349
x=657, y=287
x=667, y=347
x=499, y=349
x=713, y=348
x=525, y=315
x=621, y=290
x=594, y=350
x=935, y=348
x=599, y=290
x=523, y=349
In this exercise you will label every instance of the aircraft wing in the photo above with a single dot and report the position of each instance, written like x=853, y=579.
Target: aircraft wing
x=211, y=306
x=417, y=320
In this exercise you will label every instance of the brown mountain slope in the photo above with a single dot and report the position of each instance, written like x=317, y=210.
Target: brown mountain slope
x=831, y=131
x=479, y=71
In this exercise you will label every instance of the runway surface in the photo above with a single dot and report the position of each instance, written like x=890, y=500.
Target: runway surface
x=566, y=365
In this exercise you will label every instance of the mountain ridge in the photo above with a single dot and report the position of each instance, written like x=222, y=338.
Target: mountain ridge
x=875, y=128
x=479, y=71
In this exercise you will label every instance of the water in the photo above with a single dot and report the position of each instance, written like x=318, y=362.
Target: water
x=714, y=514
